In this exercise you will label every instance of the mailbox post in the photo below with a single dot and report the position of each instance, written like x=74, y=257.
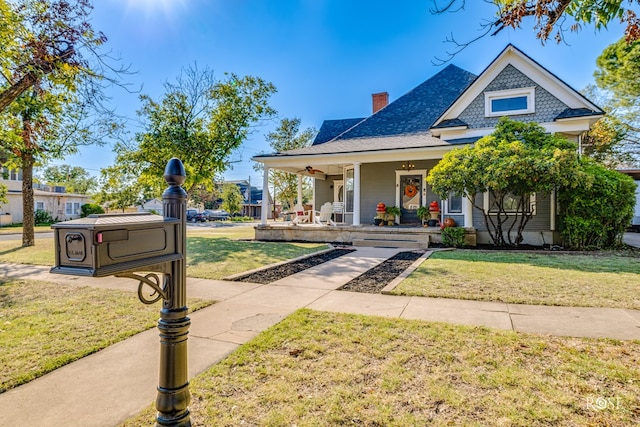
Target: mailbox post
x=173, y=397
x=121, y=245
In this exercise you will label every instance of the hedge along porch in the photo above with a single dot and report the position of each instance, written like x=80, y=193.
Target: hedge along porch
x=386, y=156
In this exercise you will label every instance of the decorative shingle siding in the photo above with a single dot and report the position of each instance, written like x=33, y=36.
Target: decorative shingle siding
x=547, y=108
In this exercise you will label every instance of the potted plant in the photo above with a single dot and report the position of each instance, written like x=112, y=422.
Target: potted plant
x=380, y=217
x=391, y=213
x=423, y=213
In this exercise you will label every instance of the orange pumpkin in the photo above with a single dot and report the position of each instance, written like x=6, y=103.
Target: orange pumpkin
x=449, y=222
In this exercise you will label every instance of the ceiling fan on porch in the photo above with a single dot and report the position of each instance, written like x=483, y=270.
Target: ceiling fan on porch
x=310, y=170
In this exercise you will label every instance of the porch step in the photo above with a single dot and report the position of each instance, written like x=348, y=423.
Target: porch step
x=391, y=243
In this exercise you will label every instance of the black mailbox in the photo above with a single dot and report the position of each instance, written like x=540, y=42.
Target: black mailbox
x=104, y=245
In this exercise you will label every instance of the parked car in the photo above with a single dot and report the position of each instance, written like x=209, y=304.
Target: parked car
x=195, y=216
x=216, y=215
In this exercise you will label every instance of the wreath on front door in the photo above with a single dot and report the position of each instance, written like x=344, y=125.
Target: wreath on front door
x=410, y=190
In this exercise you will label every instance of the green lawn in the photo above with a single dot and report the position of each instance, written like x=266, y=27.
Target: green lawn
x=590, y=280
x=212, y=253
x=319, y=369
x=44, y=325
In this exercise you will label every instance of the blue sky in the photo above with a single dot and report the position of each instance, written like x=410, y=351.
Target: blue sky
x=326, y=58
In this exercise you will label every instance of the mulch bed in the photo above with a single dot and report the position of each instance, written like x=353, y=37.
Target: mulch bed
x=374, y=280
x=272, y=274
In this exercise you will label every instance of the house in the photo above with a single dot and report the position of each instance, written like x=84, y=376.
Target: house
x=55, y=200
x=635, y=174
x=252, y=198
x=385, y=157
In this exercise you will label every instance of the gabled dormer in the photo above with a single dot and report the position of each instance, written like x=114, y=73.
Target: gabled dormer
x=517, y=86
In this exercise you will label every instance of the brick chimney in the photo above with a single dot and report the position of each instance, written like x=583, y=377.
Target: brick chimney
x=380, y=100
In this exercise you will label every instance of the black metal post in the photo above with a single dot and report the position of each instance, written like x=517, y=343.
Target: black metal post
x=172, y=401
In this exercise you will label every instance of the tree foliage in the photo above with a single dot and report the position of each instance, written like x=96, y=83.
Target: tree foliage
x=610, y=140
x=618, y=76
x=619, y=72
x=514, y=162
x=598, y=209
x=551, y=17
x=75, y=179
x=45, y=42
x=119, y=188
x=50, y=87
x=288, y=136
x=200, y=120
x=232, y=198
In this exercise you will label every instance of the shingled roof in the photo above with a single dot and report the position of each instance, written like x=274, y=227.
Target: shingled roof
x=332, y=128
x=417, y=110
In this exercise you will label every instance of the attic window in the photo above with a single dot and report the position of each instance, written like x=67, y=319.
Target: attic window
x=509, y=102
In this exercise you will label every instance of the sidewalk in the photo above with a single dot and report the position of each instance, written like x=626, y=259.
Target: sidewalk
x=106, y=388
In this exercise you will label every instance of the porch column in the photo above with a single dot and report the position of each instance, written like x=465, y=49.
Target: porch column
x=265, y=196
x=356, y=193
x=552, y=213
x=467, y=208
x=300, y=190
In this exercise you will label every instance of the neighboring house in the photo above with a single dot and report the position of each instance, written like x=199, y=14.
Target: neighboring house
x=62, y=206
x=153, y=205
x=252, y=198
x=635, y=174
x=385, y=157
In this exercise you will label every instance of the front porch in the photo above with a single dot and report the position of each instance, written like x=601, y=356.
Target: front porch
x=410, y=237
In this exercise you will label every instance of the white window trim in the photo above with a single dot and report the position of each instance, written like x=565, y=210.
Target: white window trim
x=75, y=208
x=446, y=207
x=344, y=188
x=529, y=92
x=532, y=205
x=40, y=203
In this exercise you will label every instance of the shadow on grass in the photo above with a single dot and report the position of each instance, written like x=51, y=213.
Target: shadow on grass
x=207, y=250
x=598, y=262
x=12, y=250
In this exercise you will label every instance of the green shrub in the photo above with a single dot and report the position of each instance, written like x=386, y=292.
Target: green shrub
x=43, y=217
x=453, y=236
x=241, y=218
x=596, y=213
x=90, y=208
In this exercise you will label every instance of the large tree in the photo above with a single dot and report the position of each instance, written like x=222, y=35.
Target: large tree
x=52, y=91
x=513, y=163
x=231, y=198
x=288, y=136
x=551, y=17
x=119, y=188
x=45, y=41
x=75, y=179
x=200, y=120
x=618, y=77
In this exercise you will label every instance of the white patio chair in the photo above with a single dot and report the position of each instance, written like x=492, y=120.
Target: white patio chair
x=301, y=216
x=338, y=209
x=323, y=217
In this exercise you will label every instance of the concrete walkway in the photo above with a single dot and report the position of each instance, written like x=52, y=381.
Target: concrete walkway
x=106, y=388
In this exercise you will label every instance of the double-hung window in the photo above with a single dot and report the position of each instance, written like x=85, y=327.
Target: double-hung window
x=453, y=204
x=72, y=208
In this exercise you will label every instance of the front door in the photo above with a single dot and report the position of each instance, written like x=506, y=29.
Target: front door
x=410, y=198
